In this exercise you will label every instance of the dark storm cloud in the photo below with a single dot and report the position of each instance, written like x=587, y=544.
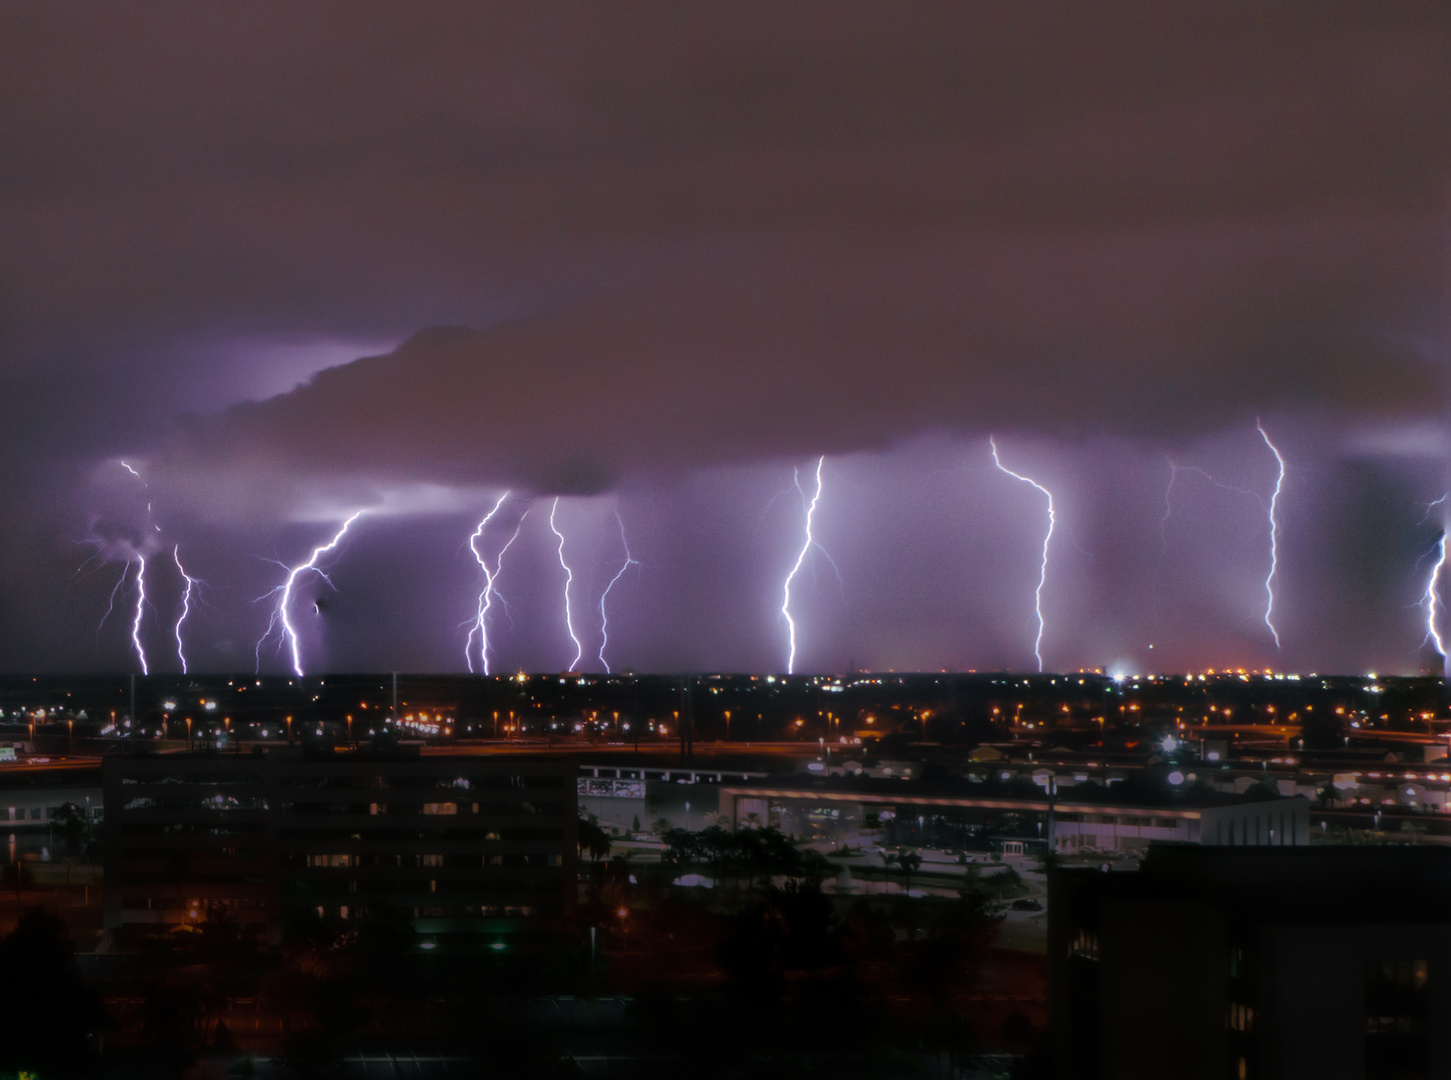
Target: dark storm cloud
x=689, y=236
x=733, y=234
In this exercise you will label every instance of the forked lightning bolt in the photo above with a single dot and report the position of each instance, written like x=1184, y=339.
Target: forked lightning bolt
x=480, y=626
x=1435, y=606
x=605, y=619
x=140, y=607
x=1174, y=471
x=281, y=615
x=1274, y=537
x=1047, y=538
x=185, y=605
x=568, y=581
x=806, y=547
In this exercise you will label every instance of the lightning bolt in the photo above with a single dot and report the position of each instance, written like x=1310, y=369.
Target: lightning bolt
x=185, y=605
x=1429, y=507
x=1168, y=508
x=1174, y=471
x=1274, y=536
x=568, y=581
x=806, y=547
x=481, y=625
x=283, y=592
x=133, y=472
x=1432, y=598
x=604, y=619
x=140, y=608
x=1047, y=538
x=111, y=606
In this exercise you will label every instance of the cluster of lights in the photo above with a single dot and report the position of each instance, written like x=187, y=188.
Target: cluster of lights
x=427, y=725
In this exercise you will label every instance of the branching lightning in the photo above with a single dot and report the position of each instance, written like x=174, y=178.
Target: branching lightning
x=283, y=592
x=185, y=605
x=568, y=581
x=605, y=619
x=1431, y=506
x=1431, y=600
x=806, y=547
x=480, y=626
x=1047, y=538
x=1274, y=537
x=140, y=609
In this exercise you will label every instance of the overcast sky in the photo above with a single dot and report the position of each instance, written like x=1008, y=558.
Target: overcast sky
x=292, y=262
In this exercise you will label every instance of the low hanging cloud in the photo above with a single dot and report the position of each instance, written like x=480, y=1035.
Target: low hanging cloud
x=696, y=236
x=796, y=349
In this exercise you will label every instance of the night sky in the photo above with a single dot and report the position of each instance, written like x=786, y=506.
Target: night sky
x=292, y=262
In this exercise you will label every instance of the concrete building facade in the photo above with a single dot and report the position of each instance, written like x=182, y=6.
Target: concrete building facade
x=1294, y=963
x=464, y=846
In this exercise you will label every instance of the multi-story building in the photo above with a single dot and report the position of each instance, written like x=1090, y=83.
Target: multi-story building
x=1239, y=963
x=466, y=846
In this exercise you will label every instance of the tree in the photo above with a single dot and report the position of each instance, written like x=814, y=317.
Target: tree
x=1263, y=789
x=74, y=828
x=1001, y=881
x=593, y=840
x=52, y=1019
x=909, y=862
x=951, y=950
x=793, y=928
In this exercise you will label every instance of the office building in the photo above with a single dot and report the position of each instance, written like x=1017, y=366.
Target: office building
x=469, y=847
x=1292, y=963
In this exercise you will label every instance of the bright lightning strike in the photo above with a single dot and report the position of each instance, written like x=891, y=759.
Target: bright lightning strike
x=132, y=471
x=185, y=605
x=140, y=608
x=280, y=614
x=480, y=627
x=1047, y=538
x=604, y=619
x=1431, y=599
x=568, y=581
x=806, y=547
x=1274, y=537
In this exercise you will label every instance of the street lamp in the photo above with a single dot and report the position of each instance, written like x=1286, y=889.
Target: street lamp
x=289, y=731
x=728, y=725
x=188, y=734
x=350, y=729
x=70, y=737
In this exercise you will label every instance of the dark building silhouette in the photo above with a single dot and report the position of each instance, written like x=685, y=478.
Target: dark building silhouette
x=1254, y=962
x=469, y=847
